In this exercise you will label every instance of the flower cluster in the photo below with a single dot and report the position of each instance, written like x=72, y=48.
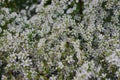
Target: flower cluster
x=64, y=40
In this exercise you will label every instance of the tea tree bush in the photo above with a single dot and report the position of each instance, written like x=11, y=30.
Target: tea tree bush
x=64, y=40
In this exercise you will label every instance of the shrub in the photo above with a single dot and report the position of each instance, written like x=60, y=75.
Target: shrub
x=64, y=40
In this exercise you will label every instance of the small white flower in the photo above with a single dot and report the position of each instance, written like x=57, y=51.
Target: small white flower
x=53, y=77
x=69, y=59
x=60, y=65
x=12, y=58
x=4, y=77
x=6, y=10
x=1, y=16
x=0, y=29
x=26, y=63
x=41, y=42
x=77, y=1
x=101, y=36
x=2, y=23
x=13, y=15
x=70, y=10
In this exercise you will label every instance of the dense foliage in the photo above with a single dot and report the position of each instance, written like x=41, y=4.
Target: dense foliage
x=60, y=40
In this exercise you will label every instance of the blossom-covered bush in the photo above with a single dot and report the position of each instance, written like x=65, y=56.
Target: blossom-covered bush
x=64, y=40
x=18, y=5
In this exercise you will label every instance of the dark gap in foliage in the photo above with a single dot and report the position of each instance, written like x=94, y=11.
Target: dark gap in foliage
x=48, y=2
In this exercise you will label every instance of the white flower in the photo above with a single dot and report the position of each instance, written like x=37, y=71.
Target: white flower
x=12, y=58
x=4, y=77
x=2, y=23
x=53, y=77
x=60, y=65
x=1, y=16
x=0, y=29
x=22, y=55
x=70, y=10
x=41, y=42
x=114, y=59
x=26, y=63
x=77, y=1
x=70, y=59
x=6, y=10
x=13, y=15
x=101, y=36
